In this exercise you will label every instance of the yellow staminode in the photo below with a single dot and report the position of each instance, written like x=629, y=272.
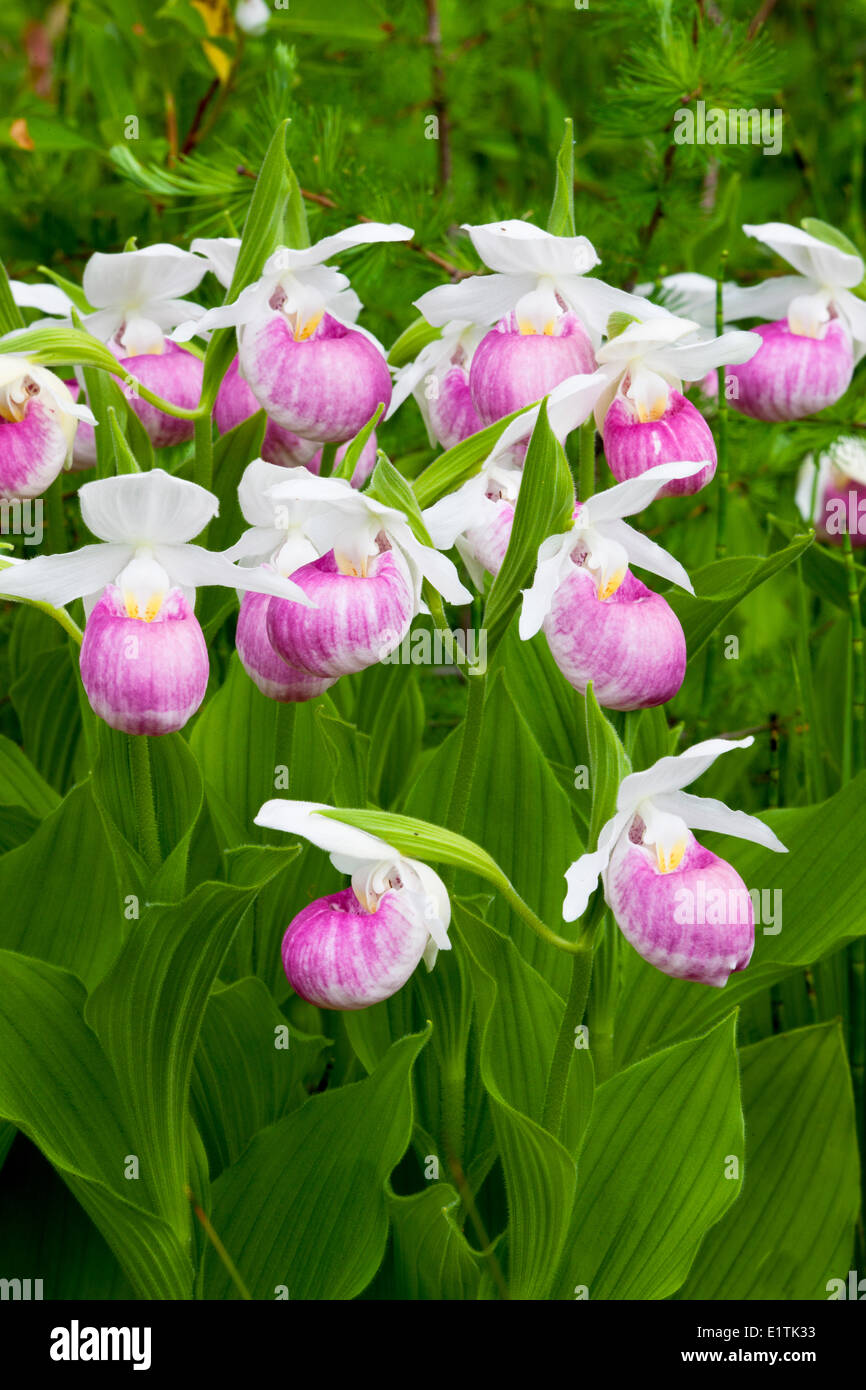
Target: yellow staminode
x=134, y=608
x=668, y=860
x=305, y=328
x=527, y=327
x=611, y=585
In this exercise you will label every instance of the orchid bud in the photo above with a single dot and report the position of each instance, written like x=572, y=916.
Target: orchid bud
x=37, y=427
x=315, y=377
x=359, y=946
x=273, y=676
x=356, y=605
x=144, y=660
x=834, y=502
x=793, y=374
x=632, y=445
x=517, y=363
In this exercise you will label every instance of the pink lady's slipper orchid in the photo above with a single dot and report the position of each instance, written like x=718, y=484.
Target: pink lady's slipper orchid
x=478, y=516
x=439, y=381
x=359, y=946
x=312, y=373
x=137, y=299
x=38, y=420
x=644, y=417
x=682, y=908
x=602, y=624
x=546, y=311
x=144, y=661
x=809, y=351
x=279, y=539
x=235, y=401
x=366, y=587
x=831, y=495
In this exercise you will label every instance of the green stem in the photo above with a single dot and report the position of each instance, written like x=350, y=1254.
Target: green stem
x=858, y=704
x=514, y=900
x=329, y=458
x=554, y=1100
x=145, y=807
x=203, y=466
x=180, y=412
x=586, y=461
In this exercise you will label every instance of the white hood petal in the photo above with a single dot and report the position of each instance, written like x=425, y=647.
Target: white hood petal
x=706, y=813
x=146, y=508
x=333, y=836
x=809, y=255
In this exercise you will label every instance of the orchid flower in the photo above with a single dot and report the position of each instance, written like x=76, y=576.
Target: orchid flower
x=367, y=584
x=38, y=421
x=359, y=946
x=278, y=538
x=685, y=910
x=144, y=661
x=602, y=624
x=312, y=374
x=831, y=494
x=644, y=417
x=439, y=381
x=478, y=516
x=818, y=334
x=547, y=312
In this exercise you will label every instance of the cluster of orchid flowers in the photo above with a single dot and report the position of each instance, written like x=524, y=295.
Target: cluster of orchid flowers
x=331, y=579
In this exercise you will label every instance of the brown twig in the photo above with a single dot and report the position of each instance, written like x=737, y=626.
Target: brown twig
x=323, y=200
x=761, y=17
x=194, y=132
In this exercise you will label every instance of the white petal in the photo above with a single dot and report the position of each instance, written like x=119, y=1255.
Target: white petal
x=692, y=361
x=630, y=497
x=333, y=836
x=595, y=301
x=515, y=247
x=808, y=254
x=481, y=299
x=571, y=403
x=706, y=813
x=457, y=512
x=582, y=878
x=553, y=561
x=57, y=579
x=132, y=278
x=49, y=299
x=807, y=487
x=146, y=508
x=639, y=339
x=853, y=312
x=646, y=553
x=193, y=566
x=221, y=254
x=361, y=235
x=769, y=300
x=674, y=772
x=436, y=568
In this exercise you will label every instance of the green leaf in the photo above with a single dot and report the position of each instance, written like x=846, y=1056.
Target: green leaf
x=10, y=315
x=653, y=1171
x=793, y=1228
x=389, y=487
x=540, y=1173
x=830, y=235
x=276, y=187
x=298, y=1210
x=21, y=784
x=608, y=765
x=411, y=341
x=430, y=1257
x=544, y=506
x=561, y=219
x=250, y=1069
x=164, y=974
x=722, y=585
x=57, y=1085
x=124, y=459
x=423, y=840
x=456, y=465
x=46, y=702
x=59, y=897
x=349, y=461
